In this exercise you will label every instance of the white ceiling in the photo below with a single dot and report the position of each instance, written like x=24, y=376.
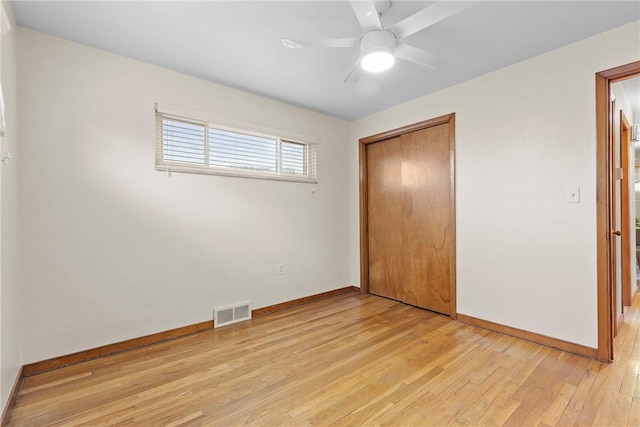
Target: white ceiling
x=237, y=43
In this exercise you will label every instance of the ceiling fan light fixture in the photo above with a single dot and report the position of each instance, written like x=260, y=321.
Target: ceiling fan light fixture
x=376, y=51
x=377, y=62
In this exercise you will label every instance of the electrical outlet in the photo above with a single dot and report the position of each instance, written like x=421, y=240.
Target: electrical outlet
x=280, y=269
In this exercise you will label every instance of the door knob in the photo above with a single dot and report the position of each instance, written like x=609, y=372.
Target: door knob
x=616, y=232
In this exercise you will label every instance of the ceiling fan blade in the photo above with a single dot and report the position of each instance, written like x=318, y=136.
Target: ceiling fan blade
x=418, y=56
x=300, y=43
x=367, y=14
x=428, y=16
x=353, y=74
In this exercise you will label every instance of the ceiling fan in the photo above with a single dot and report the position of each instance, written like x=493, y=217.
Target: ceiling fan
x=379, y=47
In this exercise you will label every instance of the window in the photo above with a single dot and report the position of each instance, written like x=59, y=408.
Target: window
x=185, y=145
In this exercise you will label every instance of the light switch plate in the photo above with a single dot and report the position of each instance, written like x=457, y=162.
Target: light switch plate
x=573, y=195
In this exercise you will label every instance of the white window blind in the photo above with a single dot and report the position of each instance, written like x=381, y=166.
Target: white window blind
x=195, y=146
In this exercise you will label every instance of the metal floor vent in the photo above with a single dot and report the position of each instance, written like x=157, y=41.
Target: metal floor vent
x=223, y=316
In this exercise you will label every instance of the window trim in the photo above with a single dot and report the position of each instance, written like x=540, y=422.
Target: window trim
x=213, y=122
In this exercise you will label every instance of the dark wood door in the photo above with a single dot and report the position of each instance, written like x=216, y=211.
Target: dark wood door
x=409, y=213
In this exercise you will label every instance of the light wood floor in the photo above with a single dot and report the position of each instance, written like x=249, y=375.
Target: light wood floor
x=348, y=360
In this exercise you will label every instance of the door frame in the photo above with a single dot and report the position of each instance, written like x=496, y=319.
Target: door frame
x=625, y=227
x=604, y=169
x=448, y=119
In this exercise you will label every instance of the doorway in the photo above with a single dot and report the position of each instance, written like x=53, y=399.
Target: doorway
x=608, y=193
x=407, y=215
x=629, y=253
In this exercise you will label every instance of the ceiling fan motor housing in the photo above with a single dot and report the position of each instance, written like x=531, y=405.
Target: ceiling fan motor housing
x=378, y=41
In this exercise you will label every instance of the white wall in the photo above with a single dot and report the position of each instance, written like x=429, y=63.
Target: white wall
x=9, y=292
x=524, y=135
x=111, y=249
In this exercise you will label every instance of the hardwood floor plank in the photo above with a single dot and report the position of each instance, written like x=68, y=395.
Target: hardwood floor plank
x=466, y=397
x=576, y=403
x=559, y=405
x=350, y=360
x=634, y=414
x=481, y=407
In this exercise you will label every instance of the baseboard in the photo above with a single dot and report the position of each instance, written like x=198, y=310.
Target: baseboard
x=106, y=350
x=559, y=344
x=305, y=300
x=13, y=396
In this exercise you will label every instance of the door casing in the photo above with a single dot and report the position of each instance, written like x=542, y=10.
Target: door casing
x=604, y=169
